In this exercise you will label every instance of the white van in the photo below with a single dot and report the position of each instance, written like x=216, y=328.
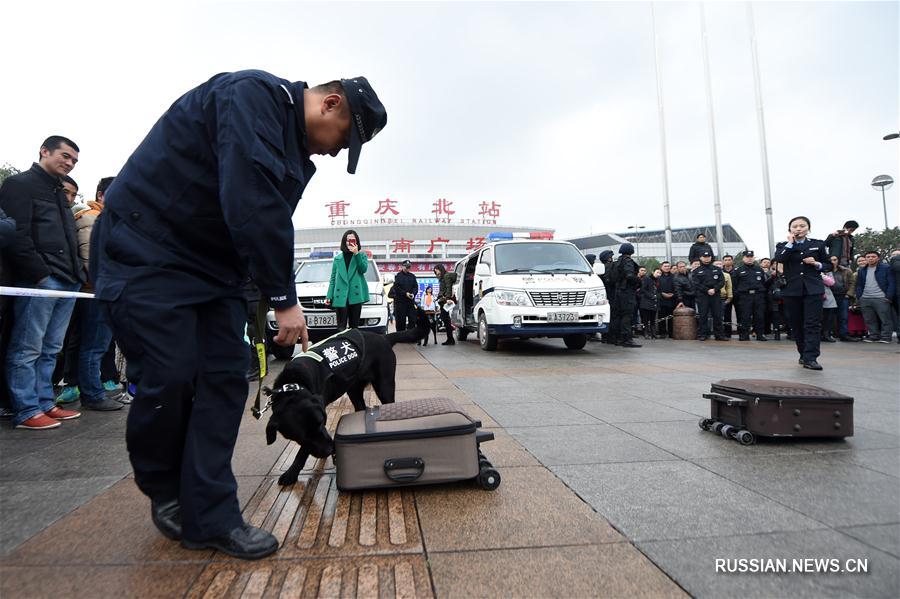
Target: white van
x=528, y=288
x=311, y=280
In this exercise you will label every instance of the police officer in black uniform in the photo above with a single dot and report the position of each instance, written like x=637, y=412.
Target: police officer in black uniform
x=606, y=259
x=708, y=281
x=749, y=281
x=204, y=203
x=405, y=289
x=624, y=278
x=804, y=259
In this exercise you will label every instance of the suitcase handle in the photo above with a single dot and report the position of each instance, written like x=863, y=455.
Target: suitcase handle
x=417, y=464
x=731, y=401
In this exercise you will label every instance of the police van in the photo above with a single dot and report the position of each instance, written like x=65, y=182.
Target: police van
x=311, y=280
x=527, y=288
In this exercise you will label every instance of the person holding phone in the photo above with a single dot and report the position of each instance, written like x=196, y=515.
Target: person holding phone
x=348, y=289
x=804, y=259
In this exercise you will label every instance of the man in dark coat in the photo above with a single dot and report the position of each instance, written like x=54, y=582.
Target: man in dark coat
x=44, y=255
x=840, y=243
x=708, y=281
x=405, y=288
x=698, y=247
x=667, y=299
x=203, y=204
x=749, y=283
x=624, y=277
x=445, y=294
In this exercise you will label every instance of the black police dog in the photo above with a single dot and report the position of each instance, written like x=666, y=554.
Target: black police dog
x=299, y=413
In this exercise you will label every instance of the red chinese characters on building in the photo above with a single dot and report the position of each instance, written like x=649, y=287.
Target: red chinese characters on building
x=386, y=205
x=434, y=241
x=491, y=210
x=474, y=243
x=337, y=209
x=442, y=208
x=402, y=246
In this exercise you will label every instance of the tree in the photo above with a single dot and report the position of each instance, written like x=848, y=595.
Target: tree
x=7, y=170
x=649, y=263
x=880, y=241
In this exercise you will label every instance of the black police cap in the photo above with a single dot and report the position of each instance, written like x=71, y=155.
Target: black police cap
x=368, y=116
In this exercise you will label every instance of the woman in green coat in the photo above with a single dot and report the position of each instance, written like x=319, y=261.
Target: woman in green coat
x=348, y=289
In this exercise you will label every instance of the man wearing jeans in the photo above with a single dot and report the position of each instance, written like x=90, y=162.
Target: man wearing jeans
x=44, y=255
x=875, y=289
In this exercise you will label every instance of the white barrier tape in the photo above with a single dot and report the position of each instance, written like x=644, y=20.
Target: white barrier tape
x=24, y=292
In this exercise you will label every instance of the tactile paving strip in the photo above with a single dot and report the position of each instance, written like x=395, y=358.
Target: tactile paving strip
x=389, y=576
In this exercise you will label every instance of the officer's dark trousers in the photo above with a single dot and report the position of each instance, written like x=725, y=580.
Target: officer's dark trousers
x=751, y=306
x=804, y=313
x=404, y=315
x=183, y=340
x=623, y=315
x=709, y=305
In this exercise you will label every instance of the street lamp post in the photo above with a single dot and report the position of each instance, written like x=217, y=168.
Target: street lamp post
x=883, y=182
x=637, y=243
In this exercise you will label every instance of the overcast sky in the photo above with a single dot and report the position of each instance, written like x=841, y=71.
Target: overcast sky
x=548, y=109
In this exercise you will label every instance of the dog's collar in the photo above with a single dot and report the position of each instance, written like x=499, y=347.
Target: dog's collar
x=273, y=395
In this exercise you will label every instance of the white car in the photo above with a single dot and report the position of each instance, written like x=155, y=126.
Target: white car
x=312, y=279
x=528, y=288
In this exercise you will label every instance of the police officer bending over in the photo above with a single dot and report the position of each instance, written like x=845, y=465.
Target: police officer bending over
x=204, y=203
x=708, y=282
x=750, y=288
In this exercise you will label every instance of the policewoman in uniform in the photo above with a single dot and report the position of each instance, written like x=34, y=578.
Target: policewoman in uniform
x=749, y=280
x=202, y=205
x=348, y=289
x=708, y=281
x=804, y=260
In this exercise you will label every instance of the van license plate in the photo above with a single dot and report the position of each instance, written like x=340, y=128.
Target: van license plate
x=321, y=320
x=562, y=317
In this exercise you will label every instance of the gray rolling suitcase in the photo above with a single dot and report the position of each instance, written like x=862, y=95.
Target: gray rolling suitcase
x=414, y=442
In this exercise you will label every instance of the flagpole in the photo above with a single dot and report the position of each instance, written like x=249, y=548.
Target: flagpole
x=662, y=137
x=717, y=207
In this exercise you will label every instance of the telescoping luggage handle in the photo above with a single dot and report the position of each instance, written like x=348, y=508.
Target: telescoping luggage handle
x=397, y=469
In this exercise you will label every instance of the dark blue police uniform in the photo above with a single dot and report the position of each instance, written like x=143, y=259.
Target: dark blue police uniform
x=706, y=277
x=803, y=292
x=205, y=200
x=750, y=286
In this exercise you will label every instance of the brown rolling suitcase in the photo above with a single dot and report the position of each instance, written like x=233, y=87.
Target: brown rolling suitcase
x=414, y=442
x=743, y=409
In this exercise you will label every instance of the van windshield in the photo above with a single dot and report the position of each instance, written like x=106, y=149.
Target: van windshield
x=317, y=272
x=539, y=258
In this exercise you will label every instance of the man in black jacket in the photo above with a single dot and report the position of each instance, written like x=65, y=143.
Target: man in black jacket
x=44, y=255
x=684, y=287
x=698, y=247
x=446, y=280
x=708, y=282
x=666, y=299
x=749, y=283
x=404, y=290
x=625, y=279
x=203, y=204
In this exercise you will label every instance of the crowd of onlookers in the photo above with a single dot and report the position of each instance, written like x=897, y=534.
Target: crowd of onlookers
x=862, y=293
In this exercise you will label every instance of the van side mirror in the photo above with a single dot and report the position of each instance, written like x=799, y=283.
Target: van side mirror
x=483, y=270
x=599, y=268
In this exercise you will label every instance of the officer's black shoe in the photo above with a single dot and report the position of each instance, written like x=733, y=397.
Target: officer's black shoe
x=449, y=342
x=243, y=542
x=812, y=365
x=166, y=516
x=744, y=338
x=762, y=338
x=629, y=343
x=829, y=339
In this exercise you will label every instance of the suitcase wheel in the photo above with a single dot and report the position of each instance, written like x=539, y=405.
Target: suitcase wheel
x=705, y=423
x=489, y=479
x=726, y=431
x=745, y=438
x=717, y=427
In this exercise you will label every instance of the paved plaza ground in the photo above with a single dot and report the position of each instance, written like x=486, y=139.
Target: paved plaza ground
x=609, y=489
